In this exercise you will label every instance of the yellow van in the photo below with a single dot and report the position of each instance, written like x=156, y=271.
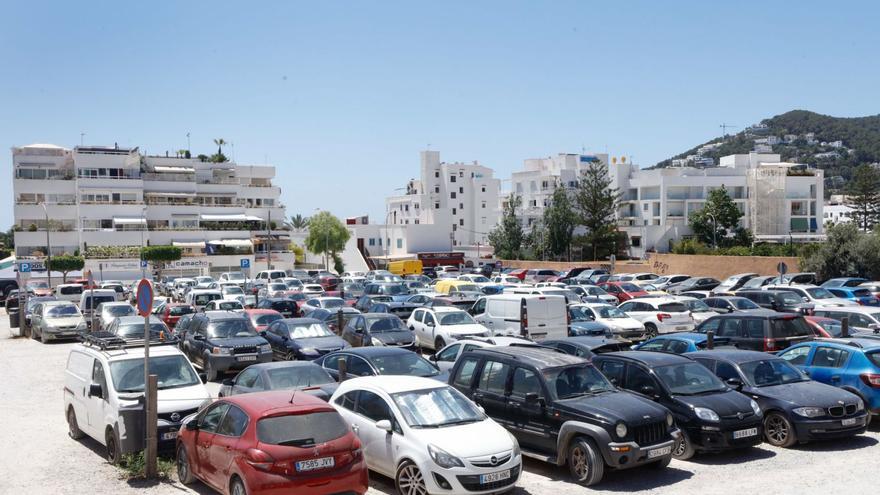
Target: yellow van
x=406, y=267
x=446, y=286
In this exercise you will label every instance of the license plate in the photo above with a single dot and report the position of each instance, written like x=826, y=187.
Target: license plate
x=745, y=433
x=850, y=421
x=171, y=435
x=312, y=464
x=681, y=328
x=246, y=358
x=654, y=453
x=493, y=477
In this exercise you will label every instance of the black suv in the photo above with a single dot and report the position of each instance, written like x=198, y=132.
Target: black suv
x=758, y=332
x=783, y=301
x=220, y=341
x=562, y=410
x=287, y=307
x=713, y=416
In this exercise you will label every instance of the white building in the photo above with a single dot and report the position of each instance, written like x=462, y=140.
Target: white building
x=779, y=200
x=834, y=214
x=107, y=202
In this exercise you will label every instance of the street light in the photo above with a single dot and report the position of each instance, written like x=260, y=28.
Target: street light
x=48, y=247
x=143, y=268
x=714, y=229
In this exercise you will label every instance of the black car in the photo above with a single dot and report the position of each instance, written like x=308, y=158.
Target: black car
x=586, y=346
x=378, y=329
x=182, y=326
x=713, y=417
x=365, y=302
x=796, y=409
x=286, y=375
x=693, y=283
x=287, y=307
x=331, y=317
x=759, y=332
x=562, y=410
x=783, y=301
x=301, y=338
x=220, y=341
x=401, y=310
x=370, y=361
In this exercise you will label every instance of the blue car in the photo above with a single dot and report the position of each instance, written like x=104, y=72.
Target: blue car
x=301, y=339
x=860, y=295
x=852, y=364
x=678, y=343
x=844, y=282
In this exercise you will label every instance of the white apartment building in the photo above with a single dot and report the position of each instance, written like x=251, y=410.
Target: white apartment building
x=834, y=214
x=540, y=176
x=780, y=201
x=107, y=202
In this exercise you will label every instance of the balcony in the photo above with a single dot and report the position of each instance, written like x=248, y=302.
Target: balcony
x=168, y=177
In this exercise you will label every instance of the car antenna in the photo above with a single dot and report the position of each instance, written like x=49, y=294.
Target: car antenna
x=292, y=396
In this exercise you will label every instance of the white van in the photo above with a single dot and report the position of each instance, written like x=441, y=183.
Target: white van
x=90, y=299
x=200, y=297
x=532, y=316
x=69, y=292
x=264, y=277
x=102, y=384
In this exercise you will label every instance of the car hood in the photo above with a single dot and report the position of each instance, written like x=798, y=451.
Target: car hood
x=465, y=329
x=807, y=393
x=613, y=407
x=238, y=341
x=330, y=342
x=399, y=337
x=726, y=403
x=458, y=440
x=589, y=328
x=399, y=298
x=66, y=321
x=181, y=398
x=623, y=323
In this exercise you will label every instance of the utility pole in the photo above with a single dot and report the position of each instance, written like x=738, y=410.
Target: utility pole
x=268, y=239
x=724, y=128
x=48, y=248
x=188, y=145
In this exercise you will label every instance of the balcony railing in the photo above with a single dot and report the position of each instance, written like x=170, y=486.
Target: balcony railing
x=168, y=177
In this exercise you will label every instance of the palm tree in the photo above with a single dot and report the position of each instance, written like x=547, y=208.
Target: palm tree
x=219, y=142
x=299, y=222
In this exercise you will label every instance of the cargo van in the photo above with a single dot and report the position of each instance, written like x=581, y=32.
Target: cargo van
x=532, y=316
x=406, y=267
x=69, y=292
x=90, y=299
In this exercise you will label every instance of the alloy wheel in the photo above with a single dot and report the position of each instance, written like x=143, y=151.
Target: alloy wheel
x=182, y=464
x=680, y=447
x=410, y=481
x=579, y=463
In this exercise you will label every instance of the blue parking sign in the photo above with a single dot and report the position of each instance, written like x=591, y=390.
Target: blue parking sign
x=24, y=267
x=143, y=263
x=245, y=263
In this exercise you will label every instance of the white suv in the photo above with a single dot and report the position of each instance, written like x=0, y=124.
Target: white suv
x=103, y=382
x=660, y=314
x=435, y=327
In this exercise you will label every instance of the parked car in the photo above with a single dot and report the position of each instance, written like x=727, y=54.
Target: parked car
x=659, y=315
x=109, y=311
x=232, y=291
x=581, y=322
x=864, y=319
x=369, y=361
x=712, y=416
x=181, y=285
x=56, y=320
x=592, y=293
x=844, y=282
x=39, y=287
x=132, y=328
x=535, y=317
x=796, y=409
x=287, y=307
x=445, y=358
x=700, y=311
x=434, y=327
x=806, y=278
x=679, y=343
x=692, y=284
x=419, y=432
x=271, y=442
x=90, y=299
x=29, y=308
x=664, y=281
x=734, y=304
x=237, y=278
x=622, y=325
x=378, y=329
x=782, y=301
x=69, y=292
x=301, y=339
x=623, y=291
x=330, y=317
x=756, y=332
x=304, y=376
x=540, y=275
x=172, y=312
x=732, y=283
x=222, y=341
x=852, y=364
x=588, y=346
x=199, y=298
x=562, y=410
x=265, y=276
x=823, y=327
x=224, y=305
x=860, y=295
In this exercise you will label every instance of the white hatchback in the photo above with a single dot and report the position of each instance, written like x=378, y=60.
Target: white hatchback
x=660, y=314
x=436, y=327
x=427, y=436
x=620, y=323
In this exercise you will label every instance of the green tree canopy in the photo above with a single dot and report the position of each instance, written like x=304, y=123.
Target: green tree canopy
x=560, y=221
x=299, y=222
x=864, y=196
x=327, y=234
x=846, y=253
x=65, y=264
x=596, y=204
x=718, y=221
x=507, y=237
x=161, y=254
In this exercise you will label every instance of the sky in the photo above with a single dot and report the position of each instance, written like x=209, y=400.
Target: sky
x=341, y=96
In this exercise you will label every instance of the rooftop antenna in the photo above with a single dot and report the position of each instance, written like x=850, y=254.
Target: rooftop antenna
x=188, y=148
x=724, y=128
x=82, y=135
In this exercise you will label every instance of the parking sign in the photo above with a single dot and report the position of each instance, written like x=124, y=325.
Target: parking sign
x=245, y=263
x=24, y=267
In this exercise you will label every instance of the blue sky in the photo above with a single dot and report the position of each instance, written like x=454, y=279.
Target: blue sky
x=341, y=96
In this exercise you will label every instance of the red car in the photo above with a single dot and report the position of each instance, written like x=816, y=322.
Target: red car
x=623, y=291
x=328, y=282
x=827, y=328
x=519, y=273
x=262, y=318
x=172, y=312
x=275, y=442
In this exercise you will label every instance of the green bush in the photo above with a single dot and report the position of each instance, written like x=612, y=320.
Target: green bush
x=134, y=465
x=736, y=251
x=690, y=246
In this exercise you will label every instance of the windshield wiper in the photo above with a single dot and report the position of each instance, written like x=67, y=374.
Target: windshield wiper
x=298, y=442
x=459, y=422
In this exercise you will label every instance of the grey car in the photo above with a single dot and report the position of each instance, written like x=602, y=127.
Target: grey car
x=109, y=311
x=734, y=304
x=284, y=375
x=55, y=320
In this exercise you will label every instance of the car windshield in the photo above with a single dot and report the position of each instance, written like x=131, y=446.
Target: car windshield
x=743, y=303
x=688, y=379
x=203, y=299
x=298, y=376
x=37, y=285
x=696, y=306
x=229, y=305
x=309, y=331
x=457, y=318
x=265, y=319
x=572, y=381
x=379, y=325
x=479, y=279
x=181, y=310
x=579, y=313
x=121, y=310
x=230, y=329
x=173, y=372
x=436, y=408
x=595, y=291
x=406, y=363
x=333, y=303
x=137, y=329
x=610, y=312
x=393, y=290
x=235, y=276
x=233, y=289
x=820, y=293
x=629, y=287
x=769, y=372
x=278, y=287
x=790, y=298
x=353, y=287
x=63, y=310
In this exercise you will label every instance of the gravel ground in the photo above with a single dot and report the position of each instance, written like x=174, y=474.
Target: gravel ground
x=38, y=456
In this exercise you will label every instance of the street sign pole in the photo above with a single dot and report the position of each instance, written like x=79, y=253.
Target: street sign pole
x=145, y=306
x=91, y=281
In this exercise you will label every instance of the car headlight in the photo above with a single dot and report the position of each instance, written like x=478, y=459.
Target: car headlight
x=669, y=420
x=444, y=459
x=516, y=449
x=225, y=351
x=308, y=351
x=809, y=412
x=706, y=414
x=376, y=342
x=860, y=405
x=755, y=408
x=82, y=326
x=265, y=348
x=620, y=430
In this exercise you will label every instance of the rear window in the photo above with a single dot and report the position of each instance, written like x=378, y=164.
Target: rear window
x=630, y=287
x=181, y=310
x=675, y=307
x=789, y=327
x=790, y=298
x=96, y=301
x=874, y=357
x=862, y=292
x=71, y=289
x=301, y=430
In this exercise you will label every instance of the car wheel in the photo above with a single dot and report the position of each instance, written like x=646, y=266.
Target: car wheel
x=210, y=372
x=72, y=426
x=184, y=474
x=439, y=344
x=778, y=430
x=650, y=330
x=684, y=449
x=43, y=338
x=584, y=462
x=112, y=446
x=236, y=487
x=409, y=480
x=290, y=356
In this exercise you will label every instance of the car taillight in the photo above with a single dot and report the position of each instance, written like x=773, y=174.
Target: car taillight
x=663, y=316
x=259, y=459
x=871, y=379
x=770, y=345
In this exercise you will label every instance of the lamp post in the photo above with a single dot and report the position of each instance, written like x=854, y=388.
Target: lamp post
x=143, y=268
x=714, y=230
x=48, y=247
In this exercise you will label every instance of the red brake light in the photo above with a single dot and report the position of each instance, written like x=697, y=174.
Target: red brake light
x=770, y=345
x=259, y=459
x=871, y=379
x=663, y=316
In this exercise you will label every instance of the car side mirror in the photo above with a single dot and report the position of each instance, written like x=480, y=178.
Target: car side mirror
x=204, y=377
x=430, y=323
x=648, y=390
x=806, y=299
x=229, y=382
x=533, y=398
x=734, y=383
x=262, y=333
x=95, y=390
x=192, y=425
x=384, y=424
x=198, y=337
x=433, y=357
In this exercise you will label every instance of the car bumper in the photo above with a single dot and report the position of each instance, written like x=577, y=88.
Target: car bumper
x=675, y=327
x=228, y=363
x=60, y=334
x=466, y=481
x=828, y=429
x=709, y=438
x=349, y=480
x=625, y=455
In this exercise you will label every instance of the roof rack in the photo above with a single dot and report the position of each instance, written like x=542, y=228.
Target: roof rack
x=109, y=341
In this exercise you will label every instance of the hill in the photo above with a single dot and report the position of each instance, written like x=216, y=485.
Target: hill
x=835, y=144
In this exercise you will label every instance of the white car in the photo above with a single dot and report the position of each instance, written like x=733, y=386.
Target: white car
x=313, y=290
x=445, y=358
x=662, y=282
x=332, y=303
x=354, y=280
x=659, y=314
x=435, y=327
x=232, y=291
x=237, y=278
x=507, y=280
x=273, y=289
x=225, y=305
x=360, y=275
x=428, y=436
x=476, y=279
x=820, y=296
x=292, y=283
x=620, y=323
x=592, y=291
x=198, y=298
x=700, y=311
x=180, y=286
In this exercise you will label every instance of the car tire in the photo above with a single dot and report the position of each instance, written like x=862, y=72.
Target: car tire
x=210, y=372
x=236, y=487
x=290, y=356
x=778, y=430
x=43, y=338
x=184, y=472
x=439, y=344
x=684, y=449
x=650, y=330
x=409, y=479
x=584, y=462
x=112, y=446
x=73, y=430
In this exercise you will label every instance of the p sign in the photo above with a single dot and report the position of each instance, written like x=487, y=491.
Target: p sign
x=24, y=267
x=144, y=297
x=245, y=263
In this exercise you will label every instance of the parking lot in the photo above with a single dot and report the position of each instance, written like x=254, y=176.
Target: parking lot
x=40, y=458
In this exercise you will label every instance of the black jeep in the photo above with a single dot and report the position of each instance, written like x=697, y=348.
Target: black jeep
x=221, y=341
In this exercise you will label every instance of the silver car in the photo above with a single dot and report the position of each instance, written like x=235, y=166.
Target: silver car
x=107, y=312
x=55, y=320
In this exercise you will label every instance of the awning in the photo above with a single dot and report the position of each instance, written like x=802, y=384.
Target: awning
x=233, y=243
x=188, y=244
x=129, y=221
x=237, y=217
x=171, y=194
x=179, y=170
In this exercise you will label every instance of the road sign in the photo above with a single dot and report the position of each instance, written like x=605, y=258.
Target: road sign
x=24, y=267
x=245, y=263
x=144, y=297
x=782, y=268
x=143, y=263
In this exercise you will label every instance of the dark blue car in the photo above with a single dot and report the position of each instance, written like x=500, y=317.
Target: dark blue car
x=678, y=343
x=844, y=282
x=860, y=295
x=370, y=361
x=301, y=339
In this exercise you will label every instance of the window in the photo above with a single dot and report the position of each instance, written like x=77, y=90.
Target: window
x=797, y=356
x=483, y=204
x=452, y=195
x=653, y=345
x=754, y=328
x=461, y=206
x=233, y=423
x=828, y=357
x=452, y=178
x=461, y=190
x=399, y=243
x=613, y=370
x=372, y=241
x=637, y=379
x=436, y=205
x=525, y=382
x=465, y=374
x=730, y=328
x=449, y=353
x=436, y=189
x=211, y=420
x=332, y=362
x=347, y=400
x=676, y=347
x=454, y=211
x=248, y=377
x=461, y=173
x=494, y=377
x=726, y=371
x=99, y=378
x=359, y=367
x=461, y=222
x=373, y=407
x=483, y=189
x=436, y=174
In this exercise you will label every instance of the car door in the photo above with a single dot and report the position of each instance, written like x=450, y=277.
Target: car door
x=358, y=366
x=37, y=318
x=491, y=391
x=359, y=337
x=273, y=336
x=96, y=407
x=244, y=382
x=730, y=329
x=427, y=329
x=203, y=439
x=415, y=322
x=330, y=364
x=224, y=448
x=445, y=359
x=526, y=411
x=378, y=444
x=827, y=364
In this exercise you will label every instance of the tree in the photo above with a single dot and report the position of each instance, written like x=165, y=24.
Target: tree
x=718, y=220
x=327, y=235
x=507, y=237
x=596, y=203
x=864, y=196
x=65, y=264
x=299, y=222
x=838, y=255
x=219, y=157
x=219, y=142
x=8, y=238
x=560, y=220
x=158, y=255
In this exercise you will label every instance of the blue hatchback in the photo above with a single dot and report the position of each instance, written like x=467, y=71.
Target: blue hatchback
x=860, y=295
x=678, y=343
x=852, y=364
